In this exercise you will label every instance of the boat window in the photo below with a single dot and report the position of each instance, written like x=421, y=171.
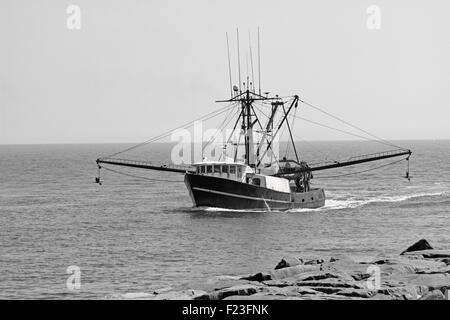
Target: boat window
x=256, y=181
x=232, y=169
x=197, y=169
x=209, y=169
x=202, y=169
x=216, y=169
x=239, y=172
x=224, y=169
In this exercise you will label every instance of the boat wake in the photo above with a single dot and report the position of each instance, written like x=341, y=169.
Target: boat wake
x=351, y=203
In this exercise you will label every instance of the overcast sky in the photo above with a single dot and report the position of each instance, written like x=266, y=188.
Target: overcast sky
x=138, y=68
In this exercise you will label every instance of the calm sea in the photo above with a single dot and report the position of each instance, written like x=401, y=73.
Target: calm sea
x=130, y=235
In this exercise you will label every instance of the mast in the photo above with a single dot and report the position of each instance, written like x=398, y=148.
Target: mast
x=247, y=126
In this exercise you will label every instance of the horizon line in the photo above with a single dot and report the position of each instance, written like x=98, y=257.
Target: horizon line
x=168, y=142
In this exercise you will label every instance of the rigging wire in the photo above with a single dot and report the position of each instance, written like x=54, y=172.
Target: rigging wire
x=139, y=177
x=358, y=172
x=340, y=130
x=221, y=127
x=165, y=134
x=349, y=124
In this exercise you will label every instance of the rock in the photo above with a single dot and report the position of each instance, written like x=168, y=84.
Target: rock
x=290, y=291
x=359, y=293
x=430, y=281
x=434, y=271
x=328, y=290
x=445, y=260
x=433, y=295
x=317, y=276
x=432, y=254
x=418, y=246
x=292, y=271
x=263, y=296
x=137, y=296
x=240, y=290
x=280, y=283
x=260, y=277
x=344, y=267
x=404, y=292
x=361, y=276
x=288, y=262
x=314, y=261
x=334, y=283
x=162, y=290
x=180, y=295
x=404, y=265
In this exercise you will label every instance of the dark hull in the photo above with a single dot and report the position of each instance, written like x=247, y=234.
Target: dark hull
x=208, y=191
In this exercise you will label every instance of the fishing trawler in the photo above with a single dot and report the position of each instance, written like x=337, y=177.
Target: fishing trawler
x=255, y=178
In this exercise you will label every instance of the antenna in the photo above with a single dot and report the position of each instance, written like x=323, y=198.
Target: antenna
x=251, y=59
x=239, y=60
x=229, y=66
x=259, y=66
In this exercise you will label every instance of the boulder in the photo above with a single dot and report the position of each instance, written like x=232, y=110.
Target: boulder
x=432, y=254
x=433, y=295
x=290, y=272
x=431, y=281
x=332, y=283
x=314, y=261
x=408, y=292
x=180, y=295
x=359, y=276
x=418, y=246
x=288, y=262
x=239, y=290
x=359, y=293
x=260, y=277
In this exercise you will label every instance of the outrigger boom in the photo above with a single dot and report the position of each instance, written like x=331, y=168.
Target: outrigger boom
x=145, y=165
x=352, y=161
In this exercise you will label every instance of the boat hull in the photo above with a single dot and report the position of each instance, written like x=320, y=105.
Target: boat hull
x=209, y=191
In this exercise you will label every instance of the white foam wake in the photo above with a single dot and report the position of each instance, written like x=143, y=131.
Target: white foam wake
x=351, y=203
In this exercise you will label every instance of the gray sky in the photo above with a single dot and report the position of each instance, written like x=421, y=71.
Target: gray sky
x=138, y=68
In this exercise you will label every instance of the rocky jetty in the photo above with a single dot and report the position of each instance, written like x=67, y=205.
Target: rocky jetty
x=418, y=273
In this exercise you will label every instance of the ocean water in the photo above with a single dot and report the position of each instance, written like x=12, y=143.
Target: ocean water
x=131, y=235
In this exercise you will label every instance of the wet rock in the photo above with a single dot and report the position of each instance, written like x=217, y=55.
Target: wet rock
x=418, y=246
x=433, y=295
x=260, y=277
x=290, y=272
x=240, y=290
x=288, y=262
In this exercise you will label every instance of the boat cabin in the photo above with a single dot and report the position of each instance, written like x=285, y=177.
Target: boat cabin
x=233, y=171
